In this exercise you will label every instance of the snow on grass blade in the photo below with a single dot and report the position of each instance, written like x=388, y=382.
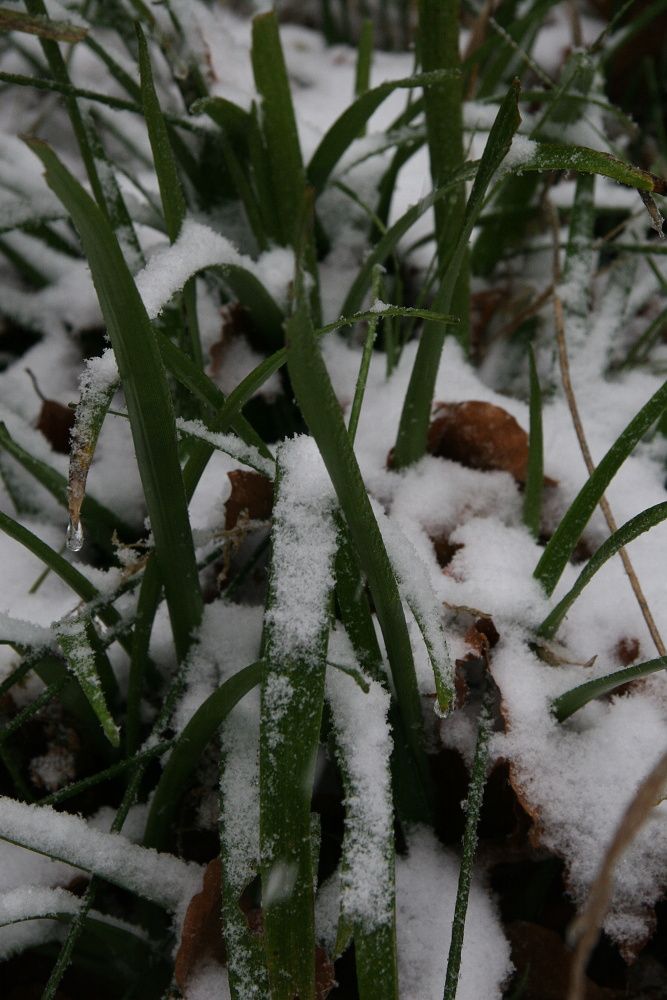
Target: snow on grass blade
x=564, y=539
x=472, y=809
x=532, y=503
x=567, y=704
x=147, y=396
x=98, y=384
x=199, y=247
x=297, y=619
x=239, y=848
x=229, y=443
x=188, y=749
x=416, y=414
x=74, y=640
x=626, y=533
x=415, y=588
x=363, y=749
x=102, y=522
x=348, y=126
x=161, y=878
x=321, y=410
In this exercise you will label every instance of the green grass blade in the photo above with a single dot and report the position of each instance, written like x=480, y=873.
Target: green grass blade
x=443, y=104
x=532, y=501
x=278, y=124
x=416, y=414
x=365, y=363
x=74, y=640
x=171, y=192
x=296, y=640
x=626, y=533
x=567, y=704
x=187, y=751
x=473, y=809
x=362, y=77
x=553, y=156
x=347, y=127
x=147, y=396
x=563, y=541
x=321, y=411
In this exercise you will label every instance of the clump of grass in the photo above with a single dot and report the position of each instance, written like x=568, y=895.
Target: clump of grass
x=343, y=584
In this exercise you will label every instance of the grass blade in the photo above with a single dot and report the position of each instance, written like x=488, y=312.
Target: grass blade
x=187, y=750
x=101, y=520
x=626, y=533
x=363, y=748
x=296, y=622
x=413, y=428
x=564, y=539
x=57, y=31
x=439, y=49
x=321, y=411
x=74, y=640
x=473, y=809
x=347, y=127
x=147, y=396
x=278, y=124
x=567, y=704
x=532, y=502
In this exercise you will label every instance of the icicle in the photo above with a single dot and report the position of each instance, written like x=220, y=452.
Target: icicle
x=74, y=535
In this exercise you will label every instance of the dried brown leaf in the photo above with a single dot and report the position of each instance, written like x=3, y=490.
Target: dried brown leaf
x=55, y=422
x=252, y=493
x=480, y=436
x=201, y=937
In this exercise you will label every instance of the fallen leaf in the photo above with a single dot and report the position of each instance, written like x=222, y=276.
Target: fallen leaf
x=55, y=422
x=324, y=974
x=482, y=635
x=480, y=436
x=444, y=549
x=201, y=937
x=627, y=650
x=252, y=493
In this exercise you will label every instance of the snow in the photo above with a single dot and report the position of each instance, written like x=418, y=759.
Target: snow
x=229, y=443
x=161, y=878
x=198, y=247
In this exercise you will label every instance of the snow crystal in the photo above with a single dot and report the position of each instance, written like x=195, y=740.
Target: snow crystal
x=207, y=982
x=161, y=878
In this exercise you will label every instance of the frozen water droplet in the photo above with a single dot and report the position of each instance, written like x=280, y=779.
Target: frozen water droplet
x=654, y=213
x=74, y=536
